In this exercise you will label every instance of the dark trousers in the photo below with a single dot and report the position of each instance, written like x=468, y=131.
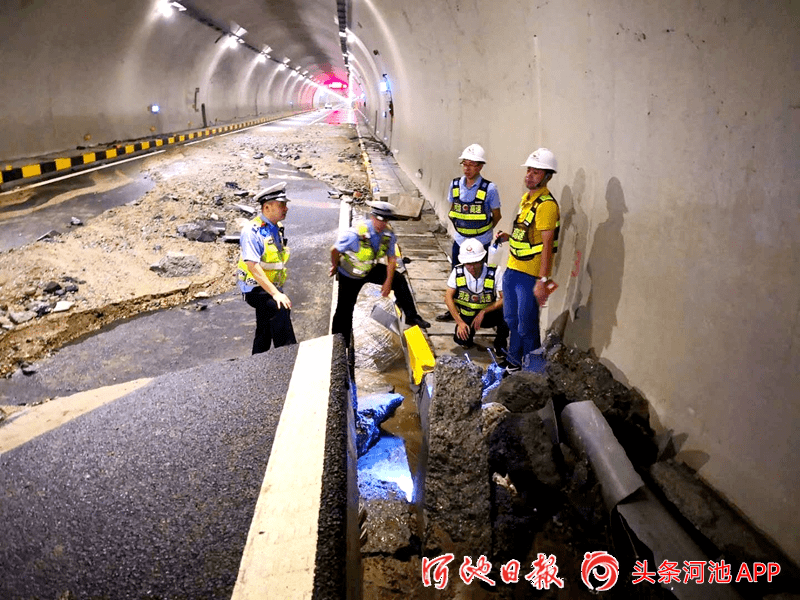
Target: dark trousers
x=273, y=324
x=490, y=319
x=348, y=294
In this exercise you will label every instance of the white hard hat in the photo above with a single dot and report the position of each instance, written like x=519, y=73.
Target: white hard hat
x=473, y=152
x=471, y=251
x=542, y=159
x=383, y=211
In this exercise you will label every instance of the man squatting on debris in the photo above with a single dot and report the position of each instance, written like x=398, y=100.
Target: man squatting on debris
x=474, y=297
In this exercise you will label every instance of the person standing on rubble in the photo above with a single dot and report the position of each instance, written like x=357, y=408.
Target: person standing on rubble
x=532, y=243
x=354, y=258
x=262, y=270
x=474, y=206
x=474, y=297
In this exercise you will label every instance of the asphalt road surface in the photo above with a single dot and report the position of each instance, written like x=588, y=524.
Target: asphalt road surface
x=151, y=495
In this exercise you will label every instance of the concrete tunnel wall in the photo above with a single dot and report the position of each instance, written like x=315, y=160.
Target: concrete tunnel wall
x=94, y=70
x=676, y=129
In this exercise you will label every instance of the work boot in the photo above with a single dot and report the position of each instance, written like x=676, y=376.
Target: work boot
x=418, y=320
x=445, y=317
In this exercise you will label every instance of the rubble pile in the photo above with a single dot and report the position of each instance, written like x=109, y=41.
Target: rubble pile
x=503, y=480
x=160, y=248
x=342, y=170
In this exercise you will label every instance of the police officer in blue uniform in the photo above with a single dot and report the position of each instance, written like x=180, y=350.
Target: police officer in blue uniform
x=262, y=270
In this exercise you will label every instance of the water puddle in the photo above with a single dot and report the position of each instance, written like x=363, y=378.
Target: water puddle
x=381, y=367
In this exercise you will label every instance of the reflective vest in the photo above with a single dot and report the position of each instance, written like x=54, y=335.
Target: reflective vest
x=519, y=244
x=470, y=303
x=273, y=259
x=470, y=218
x=358, y=264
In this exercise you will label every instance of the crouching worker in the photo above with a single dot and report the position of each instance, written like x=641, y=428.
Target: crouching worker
x=355, y=258
x=474, y=297
x=262, y=270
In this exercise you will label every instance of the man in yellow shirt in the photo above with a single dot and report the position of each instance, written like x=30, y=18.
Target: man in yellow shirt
x=532, y=243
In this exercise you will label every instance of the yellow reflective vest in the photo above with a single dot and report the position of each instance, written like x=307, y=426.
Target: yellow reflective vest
x=519, y=244
x=358, y=264
x=470, y=218
x=470, y=303
x=273, y=259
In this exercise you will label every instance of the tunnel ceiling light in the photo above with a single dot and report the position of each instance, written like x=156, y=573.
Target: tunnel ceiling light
x=281, y=67
x=231, y=41
x=342, y=34
x=261, y=58
x=266, y=49
x=178, y=6
x=154, y=108
x=286, y=61
x=165, y=8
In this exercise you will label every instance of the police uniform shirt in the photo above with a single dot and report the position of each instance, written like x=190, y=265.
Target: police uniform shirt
x=348, y=242
x=251, y=241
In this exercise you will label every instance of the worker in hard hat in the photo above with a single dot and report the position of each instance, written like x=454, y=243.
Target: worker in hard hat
x=474, y=206
x=474, y=297
x=262, y=270
x=354, y=258
x=532, y=243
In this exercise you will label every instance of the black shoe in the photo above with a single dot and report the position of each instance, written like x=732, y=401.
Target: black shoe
x=511, y=369
x=445, y=317
x=417, y=320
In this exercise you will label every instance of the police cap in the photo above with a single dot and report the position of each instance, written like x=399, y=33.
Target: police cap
x=383, y=211
x=275, y=192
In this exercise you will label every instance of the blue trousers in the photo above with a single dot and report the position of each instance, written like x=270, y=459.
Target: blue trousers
x=521, y=313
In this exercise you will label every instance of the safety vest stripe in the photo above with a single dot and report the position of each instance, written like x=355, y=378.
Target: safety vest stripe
x=274, y=266
x=461, y=213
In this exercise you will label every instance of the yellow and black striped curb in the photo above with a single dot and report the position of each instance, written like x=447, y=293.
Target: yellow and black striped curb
x=55, y=166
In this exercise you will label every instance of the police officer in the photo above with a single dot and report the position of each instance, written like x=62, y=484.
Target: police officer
x=355, y=258
x=474, y=206
x=262, y=270
x=474, y=297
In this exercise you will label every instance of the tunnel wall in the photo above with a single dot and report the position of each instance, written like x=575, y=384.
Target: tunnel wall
x=73, y=82
x=676, y=130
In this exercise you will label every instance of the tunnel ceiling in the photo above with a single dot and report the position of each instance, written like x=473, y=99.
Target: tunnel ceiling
x=304, y=31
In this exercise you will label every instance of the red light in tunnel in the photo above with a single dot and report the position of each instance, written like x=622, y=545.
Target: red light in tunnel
x=334, y=83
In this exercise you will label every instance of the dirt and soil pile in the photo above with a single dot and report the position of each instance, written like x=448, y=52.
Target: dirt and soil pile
x=71, y=283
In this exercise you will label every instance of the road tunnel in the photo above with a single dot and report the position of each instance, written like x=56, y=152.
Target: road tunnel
x=652, y=111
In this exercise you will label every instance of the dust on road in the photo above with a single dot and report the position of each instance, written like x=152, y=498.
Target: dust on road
x=103, y=268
